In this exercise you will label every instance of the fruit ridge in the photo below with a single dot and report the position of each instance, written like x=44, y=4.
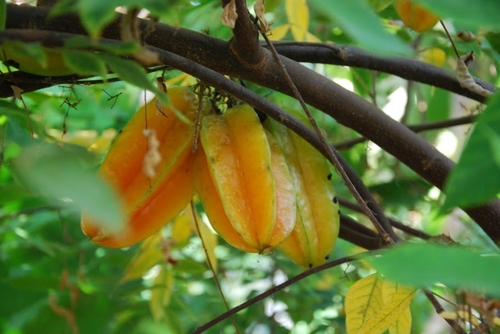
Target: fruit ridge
x=317, y=221
x=243, y=167
x=148, y=205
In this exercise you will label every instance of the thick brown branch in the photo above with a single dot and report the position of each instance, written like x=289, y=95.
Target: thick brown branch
x=405, y=68
x=245, y=43
x=394, y=223
x=360, y=235
x=320, y=92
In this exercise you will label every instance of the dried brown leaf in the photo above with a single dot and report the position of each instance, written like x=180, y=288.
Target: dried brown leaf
x=260, y=10
x=229, y=15
x=467, y=81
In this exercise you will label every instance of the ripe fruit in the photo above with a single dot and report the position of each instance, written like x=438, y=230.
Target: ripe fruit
x=317, y=224
x=415, y=16
x=243, y=182
x=150, y=201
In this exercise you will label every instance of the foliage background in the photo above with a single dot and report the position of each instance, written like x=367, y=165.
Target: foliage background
x=53, y=279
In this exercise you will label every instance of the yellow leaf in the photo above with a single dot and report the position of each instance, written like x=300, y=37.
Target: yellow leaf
x=397, y=301
x=181, y=226
x=373, y=305
x=312, y=38
x=435, y=56
x=279, y=33
x=103, y=142
x=402, y=325
x=182, y=79
x=149, y=255
x=210, y=242
x=362, y=302
x=161, y=292
x=208, y=237
x=297, y=13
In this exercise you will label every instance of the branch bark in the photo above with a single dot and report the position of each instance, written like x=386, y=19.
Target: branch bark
x=318, y=91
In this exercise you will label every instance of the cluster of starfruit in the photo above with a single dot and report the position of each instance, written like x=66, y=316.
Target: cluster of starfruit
x=261, y=185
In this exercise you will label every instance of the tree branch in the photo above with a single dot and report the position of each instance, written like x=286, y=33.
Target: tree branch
x=360, y=235
x=245, y=44
x=318, y=91
x=409, y=69
x=273, y=290
x=394, y=223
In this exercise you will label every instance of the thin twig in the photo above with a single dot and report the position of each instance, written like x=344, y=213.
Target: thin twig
x=451, y=39
x=394, y=223
x=276, y=289
x=210, y=265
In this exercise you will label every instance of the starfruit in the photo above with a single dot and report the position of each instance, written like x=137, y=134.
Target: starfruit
x=243, y=181
x=150, y=201
x=317, y=221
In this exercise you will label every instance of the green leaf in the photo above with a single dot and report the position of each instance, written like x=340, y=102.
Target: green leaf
x=122, y=48
x=132, y=72
x=63, y=176
x=401, y=192
x=129, y=71
x=357, y=19
x=11, y=109
x=85, y=63
x=476, y=177
x=64, y=7
x=494, y=40
x=439, y=105
x=479, y=13
x=96, y=14
x=428, y=264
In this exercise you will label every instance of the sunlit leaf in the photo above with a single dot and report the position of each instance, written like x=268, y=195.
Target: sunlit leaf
x=161, y=292
x=403, y=324
x=454, y=267
x=181, y=226
x=297, y=13
x=279, y=33
x=209, y=239
x=150, y=254
x=373, y=305
x=362, y=302
x=312, y=38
